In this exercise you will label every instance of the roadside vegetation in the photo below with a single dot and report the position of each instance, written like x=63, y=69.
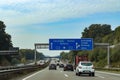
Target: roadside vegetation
x=5, y=44
x=101, y=33
x=24, y=55
x=27, y=55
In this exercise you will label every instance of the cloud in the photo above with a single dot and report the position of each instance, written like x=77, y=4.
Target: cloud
x=9, y=2
x=26, y=12
x=29, y=21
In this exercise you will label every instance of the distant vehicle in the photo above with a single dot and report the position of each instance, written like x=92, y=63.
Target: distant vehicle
x=68, y=67
x=42, y=62
x=19, y=65
x=52, y=66
x=85, y=67
x=61, y=65
x=58, y=62
x=78, y=59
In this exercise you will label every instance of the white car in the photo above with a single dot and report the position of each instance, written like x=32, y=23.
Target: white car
x=85, y=67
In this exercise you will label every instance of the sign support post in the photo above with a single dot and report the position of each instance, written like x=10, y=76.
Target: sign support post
x=108, y=51
x=35, y=56
x=108, y=56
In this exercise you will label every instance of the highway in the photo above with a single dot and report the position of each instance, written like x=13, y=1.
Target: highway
x=59, y=74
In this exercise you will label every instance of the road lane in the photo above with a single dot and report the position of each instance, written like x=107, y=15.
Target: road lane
x=98, y=76
x=32, y=75
x=47, y=74
x=108, y=76
x=72, y=76
x=59, y=74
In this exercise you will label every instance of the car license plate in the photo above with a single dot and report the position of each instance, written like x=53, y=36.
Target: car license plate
x=86, y=71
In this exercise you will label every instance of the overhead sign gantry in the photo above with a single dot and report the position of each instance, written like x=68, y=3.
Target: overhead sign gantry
x=71, y=44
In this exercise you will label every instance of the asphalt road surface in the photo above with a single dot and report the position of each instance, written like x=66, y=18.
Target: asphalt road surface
x=59, y=74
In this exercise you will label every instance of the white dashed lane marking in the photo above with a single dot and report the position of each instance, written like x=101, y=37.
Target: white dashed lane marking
x=66, y=75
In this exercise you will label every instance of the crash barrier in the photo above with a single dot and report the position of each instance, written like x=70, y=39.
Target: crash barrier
x=7, y=73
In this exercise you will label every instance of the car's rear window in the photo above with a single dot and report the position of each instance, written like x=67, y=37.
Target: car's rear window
x=52, y=64
x=69, y=65
x=86, y=64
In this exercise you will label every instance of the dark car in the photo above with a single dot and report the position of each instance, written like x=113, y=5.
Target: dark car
x=52, y=66
x=68, y=67
x=58, y=62
x=61, y=65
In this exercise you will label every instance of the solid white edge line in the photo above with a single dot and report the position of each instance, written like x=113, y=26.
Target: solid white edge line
x=66, y=75
x=32, y=75
x=101, y=76
x=108, y=73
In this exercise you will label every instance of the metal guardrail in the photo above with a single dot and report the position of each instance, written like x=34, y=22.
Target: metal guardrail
x=15, y=69
x=7, y=72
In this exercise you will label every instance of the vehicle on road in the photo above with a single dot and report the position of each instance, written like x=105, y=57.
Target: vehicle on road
x=85, y=67
x=41, y=62
x=52, y=66
x=68, y=67
x=57, y=62
x=61, y=65
x=78, y=59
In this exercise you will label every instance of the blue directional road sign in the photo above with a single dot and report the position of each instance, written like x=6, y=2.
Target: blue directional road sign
x=71, y=44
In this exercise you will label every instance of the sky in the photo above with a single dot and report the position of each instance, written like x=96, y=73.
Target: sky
x=36, y=21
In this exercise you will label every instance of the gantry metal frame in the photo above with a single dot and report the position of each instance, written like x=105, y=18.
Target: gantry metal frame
x=106, y=45
x=40, y=46
x=46, y=46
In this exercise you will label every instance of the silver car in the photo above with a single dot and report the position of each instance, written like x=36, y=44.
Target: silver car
x=85, y=67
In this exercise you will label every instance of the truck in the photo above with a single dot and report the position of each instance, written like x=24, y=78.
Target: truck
x=78, y=59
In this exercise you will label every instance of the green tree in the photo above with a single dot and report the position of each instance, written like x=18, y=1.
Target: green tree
x=115, y=55
x=109, y=38
x=96, y=31
x=102, y=34
x=28, y=54
x=5, y=38
x=64, y=55
x=15, y=61
x=117, y=35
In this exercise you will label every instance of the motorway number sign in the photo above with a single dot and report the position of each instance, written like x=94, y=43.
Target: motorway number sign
x=71, y=44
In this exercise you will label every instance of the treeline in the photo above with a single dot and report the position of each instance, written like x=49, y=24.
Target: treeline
x=100, y=34
x=6, y=43
x=28, y=54
x=5, y=38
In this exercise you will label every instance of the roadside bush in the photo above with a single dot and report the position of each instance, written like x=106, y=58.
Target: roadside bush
x=101, y=63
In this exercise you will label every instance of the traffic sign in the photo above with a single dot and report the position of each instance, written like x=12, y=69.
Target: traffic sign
x=71, y=44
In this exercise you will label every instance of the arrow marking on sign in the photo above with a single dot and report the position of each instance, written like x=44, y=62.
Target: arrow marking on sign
x=77, y=45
